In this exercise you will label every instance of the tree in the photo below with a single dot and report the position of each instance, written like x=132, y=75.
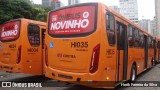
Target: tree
x=13, y=9
x=41, y=12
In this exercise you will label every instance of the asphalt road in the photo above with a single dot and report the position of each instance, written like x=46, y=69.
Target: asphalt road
x=152, y=75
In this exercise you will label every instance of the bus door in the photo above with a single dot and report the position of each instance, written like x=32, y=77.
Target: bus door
x=43, y=43
x=146, y=51
x=34, y=59
x=43, y=38
x=122, y=51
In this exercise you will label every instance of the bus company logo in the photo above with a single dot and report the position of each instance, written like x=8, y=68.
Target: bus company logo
x=16, y=27
x=2, y=29
x=6, y=84
x=86, y=14
x=59, y=55
x=69, y=56
x=54, y=18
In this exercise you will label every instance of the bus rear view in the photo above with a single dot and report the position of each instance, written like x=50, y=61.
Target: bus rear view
x=10, y=44
x=21, y=44
x=73, y=43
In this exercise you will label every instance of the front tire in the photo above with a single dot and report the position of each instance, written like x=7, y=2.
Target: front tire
x=133, y=73
x=153, y=62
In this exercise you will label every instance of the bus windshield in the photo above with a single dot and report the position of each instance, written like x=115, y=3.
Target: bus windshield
x=72, y=21
x=10, y=31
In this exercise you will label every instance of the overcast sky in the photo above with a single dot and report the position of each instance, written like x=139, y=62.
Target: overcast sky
x=146, y=8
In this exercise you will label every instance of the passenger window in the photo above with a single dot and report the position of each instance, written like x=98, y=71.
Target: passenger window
x=152, y=43
x=121, y=28
x=141, y=39
x=110, y=26
x=136, y=37
x=34, y=35
x=158, y=45
x=43, y=37
x=130, y=36
x=149, y=42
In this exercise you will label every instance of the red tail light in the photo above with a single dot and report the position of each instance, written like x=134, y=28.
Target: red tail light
x=95, y=59
x=46, y=55
x=19, y=54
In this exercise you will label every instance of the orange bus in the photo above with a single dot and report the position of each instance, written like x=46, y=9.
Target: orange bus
x=22, y=43
x=90, y=43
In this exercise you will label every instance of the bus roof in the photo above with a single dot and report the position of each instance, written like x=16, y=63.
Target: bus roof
x=39, y=22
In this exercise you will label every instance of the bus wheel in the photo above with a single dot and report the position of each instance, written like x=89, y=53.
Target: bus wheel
x=153, y=62
x=133, y=73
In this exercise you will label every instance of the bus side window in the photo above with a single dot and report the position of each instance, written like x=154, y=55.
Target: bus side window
x=43, y=37
x=136, y=37
x=120, y=36
x=158, y=45
x=141, y=39
x=149, y=42
x=110, y=26
x=152, y=43
x=34, y=35
x=130, y=36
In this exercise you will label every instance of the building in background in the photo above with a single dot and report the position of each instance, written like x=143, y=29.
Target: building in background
x=153, y=28
x=157, y=11
x=129, y=9
x=71, y=2
x=46, y=2
x=145, y=24
x=115, y=8
x=148, y=25
x=54, y=3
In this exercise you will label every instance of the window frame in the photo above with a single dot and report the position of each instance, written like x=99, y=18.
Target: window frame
x=109, y=30
x=122, y=28
x=136, y=37
x=130, y=36
x=141, y=38
x=158, y=44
